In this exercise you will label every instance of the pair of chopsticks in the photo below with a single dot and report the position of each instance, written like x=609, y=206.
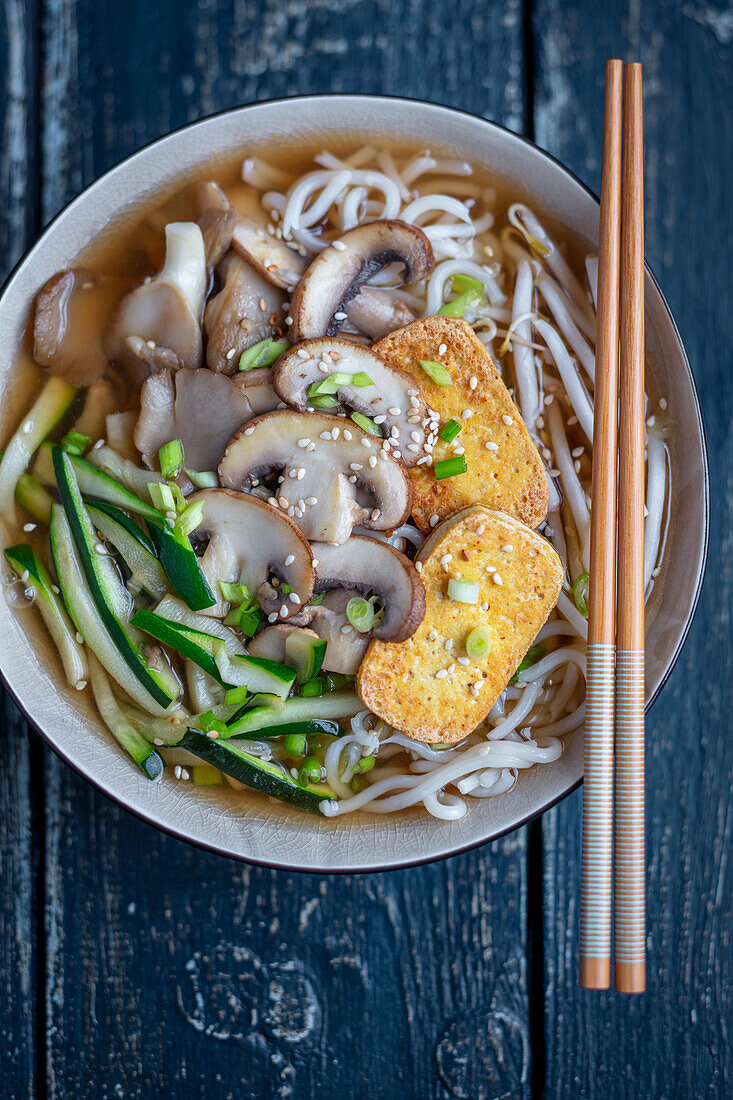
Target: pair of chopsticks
x=613, y=805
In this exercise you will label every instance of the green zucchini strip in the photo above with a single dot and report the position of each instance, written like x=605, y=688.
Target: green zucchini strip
x=121, y=729
x=51, y=404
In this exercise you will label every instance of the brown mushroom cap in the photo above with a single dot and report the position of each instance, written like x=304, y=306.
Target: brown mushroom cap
x=338, y=486
x=336, y=276
x=245, y=311
x=257, y=386
x=394, y=395
x=248, y=541
x=200, y=408
x=376, y=568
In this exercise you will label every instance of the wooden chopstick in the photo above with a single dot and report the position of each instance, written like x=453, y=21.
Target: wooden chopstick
x=596, y=864
x=629, y=886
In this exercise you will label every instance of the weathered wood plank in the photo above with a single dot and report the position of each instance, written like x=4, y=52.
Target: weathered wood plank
x=19, y=865
x=673, y=1041
x=172, y=972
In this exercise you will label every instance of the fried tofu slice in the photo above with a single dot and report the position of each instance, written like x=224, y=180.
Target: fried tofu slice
x=421, y=686
x=504, y=469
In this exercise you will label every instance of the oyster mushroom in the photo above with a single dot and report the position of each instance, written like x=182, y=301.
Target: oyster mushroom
x=248, y=542
x=158, y=325
x=333, y=476
x=376, y=569
x=393, y=396
x=67, y=335
x=376, y=313
x=257, y=386
x=245, y=311
x=200, y=408
x=335, y=277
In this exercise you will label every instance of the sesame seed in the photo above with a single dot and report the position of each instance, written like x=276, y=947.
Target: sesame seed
x=340, y=316
x=27, y=427
x=459, y=450
x=366, y=441
x=472, y=382
x=507, y=548
x=573, y=420
x=158, y=741
x=546, y=454
x=452, y=668
x=324, y=368
x=301, y=473
x=290, y=559
x=480, y=529
x=352, y=479
x=397, y=454
x=554, y=473
x=315, y=563
x=294, y=598
x=288, y=320
x=55, y=588
x=301, y=504
x=432, y=635
x=303, y=442
x=413, y=447
x=441, y=674
x=418, y=566
x=540, y=421
x=448, y=644
x=484, y=606
x=311, y=446
x=657, y=570
x=335, y=433
x=490, y=446
x=263, y=304
x=291, y=511
x=372, y=461
x=375, y=514
x=466, y=414
x=355, y=466
x=394, y=411
x=463, y=661
x=231, y=353
x=303, y=354
x=497, y=579
x=100, y=549
x=651, y=421
x=442, y=349
x=380, y=419
x=291, y=473
x=414, y=401
x=446, y=558
x=576, y=466
x=29, y=526
x=506, y=419
x=248, y=431
x=272, y=501
x=549, y=399
x=577, y=452
x=433, y=520
x=311, y=500
x=662, y=402
x=177, y=771
x=338, y=245
x=284, y=611
x=325, y=435
x=79, y=637
x=474, y=690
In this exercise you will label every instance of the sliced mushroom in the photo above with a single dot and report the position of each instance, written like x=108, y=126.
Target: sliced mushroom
x=100, y=400
x=158, y=325
x=377, y=313
x=375, y=568
x=245, y=311
x=270, y=642
x=257, y=386
x=335, y=277
x=200, y=408
x=71, y=309
x=393, y=397
x=243, y=226
x=345, y=646
x=339, y=485
x=248, y=542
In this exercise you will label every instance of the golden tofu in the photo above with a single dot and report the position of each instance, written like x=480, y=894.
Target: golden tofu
x=504, y=469
x=421, y=686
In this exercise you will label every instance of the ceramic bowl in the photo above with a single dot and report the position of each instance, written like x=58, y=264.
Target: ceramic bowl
x=258, y=830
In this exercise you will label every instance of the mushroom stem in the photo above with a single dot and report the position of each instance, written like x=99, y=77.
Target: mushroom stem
x=185, y=263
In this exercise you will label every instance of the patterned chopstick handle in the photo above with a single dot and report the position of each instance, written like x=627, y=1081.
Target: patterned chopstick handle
x=629, y=876
x=597, y=840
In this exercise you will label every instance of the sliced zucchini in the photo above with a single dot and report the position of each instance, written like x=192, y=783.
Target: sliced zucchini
x=124, y=520
x=267, y=776
x=255, y=673
x=51, y=404
x=305, y=653
x=85, y=615
x=62, y=630
x=180, y=563
x=311, y=726
x=32, y=496
x=337, y=704
x=192, y=644
x=109, y=594
x=144, y=566
x=176, y=611
x=94, y=483
x=121, y=729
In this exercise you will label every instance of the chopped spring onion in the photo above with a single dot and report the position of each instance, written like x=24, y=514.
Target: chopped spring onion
x=235, y=593
x=245, y=619
x=296, y=744
x=450, y=467
x=436, y=372
x=361, y=379
x=170, y=457
x=459, y=305
x=366, y=423
x=463, y=283
x=531, y=657
x=206, y=775
x=362, y=613
x=315, y=687
x=324, y=402
x=449, y=431
x=236, y=697
x=162, y=496
x=580, y=594
x=311, y=771
x=208, y=721
x=478, y=643
x=463, y=591
x=204, y=479
x=262, y=354
x=191, y=518
x=328, y=385
x=74, y=443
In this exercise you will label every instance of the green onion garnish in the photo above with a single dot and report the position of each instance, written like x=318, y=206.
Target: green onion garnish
x=531, y=658
x=162, y=496
x=235, y=593
x=204, y=479
x=208, y=722
x=458, y=306
x=450, y=467
x=262, y=354
x=191, y=518
x=325, y=402
x=74, y=443
x=361, y=614
x=463, y=283
x=249, y=619
x=317, y=599
x=311, y=771
x=170, y=457
x=236, y=697
x=580, y=594
x=449, y=431
x=328, y=385
x=463, y=591
x=315, y=687
x=436, y=372
x=366, y=423
x=361, y=378
x=478, y=643
x=296, y=744
x=365, y=764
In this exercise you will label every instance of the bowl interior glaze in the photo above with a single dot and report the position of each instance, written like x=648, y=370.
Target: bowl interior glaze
x=258, y=830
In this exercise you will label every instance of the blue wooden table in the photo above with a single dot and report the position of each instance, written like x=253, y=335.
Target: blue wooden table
x=133, y=965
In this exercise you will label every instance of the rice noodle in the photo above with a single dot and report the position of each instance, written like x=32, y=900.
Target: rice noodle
x=576, y=393
x=525, y=372
x=558, y=305
x=573, y=490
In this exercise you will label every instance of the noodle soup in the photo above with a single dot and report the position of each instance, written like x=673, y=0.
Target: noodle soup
x=205, y=295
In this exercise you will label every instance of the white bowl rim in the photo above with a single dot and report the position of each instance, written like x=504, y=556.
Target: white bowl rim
x=458, y=849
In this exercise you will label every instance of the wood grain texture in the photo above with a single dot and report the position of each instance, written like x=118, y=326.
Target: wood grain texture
x=19, y=757
x=674, y=1041
x=171, y=971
